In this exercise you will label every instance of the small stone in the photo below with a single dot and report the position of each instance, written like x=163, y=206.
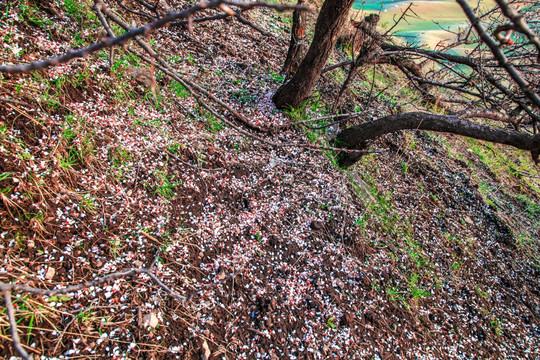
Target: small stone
x=150, y=320
x=138, y=263
x=97, y=263
x=50, y=273
x=205, y=351
x=31, y=244
x=468, y=220
x=221, y=274
x=289, y=179
x=339, y=283
x=201, y=255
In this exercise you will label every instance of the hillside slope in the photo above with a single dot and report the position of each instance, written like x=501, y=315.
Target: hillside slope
x=428, y=249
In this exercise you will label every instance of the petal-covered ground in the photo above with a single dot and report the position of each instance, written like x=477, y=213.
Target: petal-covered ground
x=427, y=250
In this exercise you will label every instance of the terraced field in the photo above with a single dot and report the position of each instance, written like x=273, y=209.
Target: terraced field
x=435, y=18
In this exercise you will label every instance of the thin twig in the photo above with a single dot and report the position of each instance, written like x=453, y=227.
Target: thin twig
x=16, y=102
x=13, y=325
x=167, y=69
x=335, y=66
x=501, y=58
x=519, y=23
x=403, y=15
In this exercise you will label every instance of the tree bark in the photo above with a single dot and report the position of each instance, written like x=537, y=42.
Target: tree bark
x=367, y=47
x=297, y=33
x=356, y=137
x=329, y=25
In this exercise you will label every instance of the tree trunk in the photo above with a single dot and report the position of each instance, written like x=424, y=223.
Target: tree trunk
x=366, y=42
x=329, y=25
x=297, y=33
x=356, y=137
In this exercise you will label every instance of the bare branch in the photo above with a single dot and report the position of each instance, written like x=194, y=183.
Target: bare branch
x=200, y=20
x=237, y=15
x=357, y=137
x=503, y=61
x=401, y=17
x=519, y=23
x=16, y=102
x=245, y=21
x=13, y=326
x=338, y=65
x=8, y=288
x=143, y=30
x=191, y=86
x=72, y=288
x=487, y=114
x=167, y=69
x=473, y=64
x=136, y=12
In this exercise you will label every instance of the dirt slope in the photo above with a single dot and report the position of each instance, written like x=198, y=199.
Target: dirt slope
x=427, y=250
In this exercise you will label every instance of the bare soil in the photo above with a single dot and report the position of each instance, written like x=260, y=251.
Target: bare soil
x=405, y=256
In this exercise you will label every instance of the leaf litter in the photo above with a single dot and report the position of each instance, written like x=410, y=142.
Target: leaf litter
x=381, y=264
